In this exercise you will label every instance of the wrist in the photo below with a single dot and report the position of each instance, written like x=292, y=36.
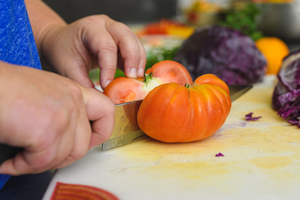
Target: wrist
x=48, y=42
x=42, y=19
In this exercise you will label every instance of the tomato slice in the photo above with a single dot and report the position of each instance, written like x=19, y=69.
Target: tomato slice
x=170, y=71
x=123, y=89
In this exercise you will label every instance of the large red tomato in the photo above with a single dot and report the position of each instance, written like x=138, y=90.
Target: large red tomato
x=123, y=89
x=175, y=113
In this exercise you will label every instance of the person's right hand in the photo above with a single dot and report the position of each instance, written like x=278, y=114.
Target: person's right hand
x=49, y=115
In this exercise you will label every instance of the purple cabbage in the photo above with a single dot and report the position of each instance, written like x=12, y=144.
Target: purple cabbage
x=286, y=95
x=250, y=118
x=219, y=155
x=225, y=52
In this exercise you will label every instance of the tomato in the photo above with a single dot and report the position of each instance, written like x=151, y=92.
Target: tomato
x=175, y=113
x=123, y=89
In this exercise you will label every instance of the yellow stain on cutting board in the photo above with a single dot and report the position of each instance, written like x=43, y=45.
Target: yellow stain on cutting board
x=271, y=162
x=259, y=152
x=268, y=147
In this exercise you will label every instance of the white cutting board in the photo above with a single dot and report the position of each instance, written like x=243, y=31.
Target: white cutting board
x=261, y=162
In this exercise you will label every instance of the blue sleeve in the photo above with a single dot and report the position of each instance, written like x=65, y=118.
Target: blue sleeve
x=3, y=179
x=17, y=45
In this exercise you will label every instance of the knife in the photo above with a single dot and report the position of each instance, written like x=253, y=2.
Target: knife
x=126, y=129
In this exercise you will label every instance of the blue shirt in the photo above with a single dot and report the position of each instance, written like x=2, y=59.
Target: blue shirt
x=17, y=45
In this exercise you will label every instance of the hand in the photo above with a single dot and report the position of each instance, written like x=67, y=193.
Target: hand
x=49, y=115
x=73, y=49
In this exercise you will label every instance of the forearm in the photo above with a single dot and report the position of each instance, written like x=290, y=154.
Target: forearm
x=41, y=18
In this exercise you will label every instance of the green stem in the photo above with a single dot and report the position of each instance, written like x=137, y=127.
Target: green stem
x=188, y=86
x=148, y=77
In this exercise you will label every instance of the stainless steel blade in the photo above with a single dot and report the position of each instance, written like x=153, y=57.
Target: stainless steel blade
x=122, y=140
x=125, y=123
x=238, y=90
x=126, y=128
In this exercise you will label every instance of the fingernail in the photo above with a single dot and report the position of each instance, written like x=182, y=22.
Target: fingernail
x=107, y=82
x=141, y=72
x=132, y=73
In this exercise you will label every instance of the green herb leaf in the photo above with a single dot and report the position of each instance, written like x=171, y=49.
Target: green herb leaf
x=244, y=20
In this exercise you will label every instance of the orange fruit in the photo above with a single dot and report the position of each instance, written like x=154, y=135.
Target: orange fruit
x=274, y=50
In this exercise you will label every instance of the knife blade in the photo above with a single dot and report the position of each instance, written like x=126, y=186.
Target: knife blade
x=238, y=90
x=126, y=129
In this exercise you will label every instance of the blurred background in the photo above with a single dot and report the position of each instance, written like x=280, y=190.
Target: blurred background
x=279, y=18
x=127, y=11
x=163, y=25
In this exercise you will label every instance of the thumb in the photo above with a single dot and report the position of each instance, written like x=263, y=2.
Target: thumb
x=101, y=112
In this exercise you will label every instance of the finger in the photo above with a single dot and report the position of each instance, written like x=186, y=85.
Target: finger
x=101, y=111
x=81, y=141
x=120, y=64
x=21, y=164
x=101, y=44
x=143, y=61
x=82, y=136
x=40, y=155
x=107, y=61
x=131, y=50
x=142, y=65
x=43, y=152
x=34, y=161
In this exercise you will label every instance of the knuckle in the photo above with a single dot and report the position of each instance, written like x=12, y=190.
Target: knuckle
x=75, y=91
x=126, y=33
x=110, y=47
x=59, y=115
x=135, y=58
x=110, y=69
x=42, y=163
x=94, y=18
x=105, y=137
x=125, y=29
x=64, y=112
x=110, y=107
x=103, y=16
x=78, y=154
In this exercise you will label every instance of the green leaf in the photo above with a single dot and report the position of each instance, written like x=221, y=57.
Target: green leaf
x=158, y=54
x=244, y=20
x=119, y=73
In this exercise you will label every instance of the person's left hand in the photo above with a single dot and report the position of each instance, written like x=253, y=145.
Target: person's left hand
x=74, y=49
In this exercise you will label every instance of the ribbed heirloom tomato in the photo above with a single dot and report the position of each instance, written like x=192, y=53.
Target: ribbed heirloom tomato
x=123, y=89
x=175, y=113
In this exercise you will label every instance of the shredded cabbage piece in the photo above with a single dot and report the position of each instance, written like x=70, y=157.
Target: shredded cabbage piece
x=250, y=118
x=219, y=155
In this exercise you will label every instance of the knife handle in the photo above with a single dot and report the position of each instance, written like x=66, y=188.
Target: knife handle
x=7, y=152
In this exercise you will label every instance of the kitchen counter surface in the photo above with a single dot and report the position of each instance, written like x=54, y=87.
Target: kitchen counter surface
x=261, y=160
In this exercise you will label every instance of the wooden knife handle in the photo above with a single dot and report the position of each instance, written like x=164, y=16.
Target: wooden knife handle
x=7, y=152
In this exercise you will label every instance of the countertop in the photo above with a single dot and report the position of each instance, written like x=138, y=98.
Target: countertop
x=261, y=160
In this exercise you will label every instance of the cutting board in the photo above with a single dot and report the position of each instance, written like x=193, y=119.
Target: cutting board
x=261, y=160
